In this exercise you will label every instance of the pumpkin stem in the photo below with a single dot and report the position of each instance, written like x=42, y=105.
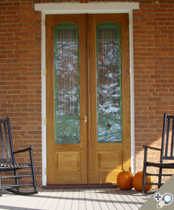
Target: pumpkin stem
x=124, y=170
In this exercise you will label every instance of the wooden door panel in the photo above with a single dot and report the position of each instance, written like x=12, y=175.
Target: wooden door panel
x=109, y=163
x=106, y=160
x=66, y=163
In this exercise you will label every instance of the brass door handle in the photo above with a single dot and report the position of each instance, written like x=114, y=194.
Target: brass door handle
x=85, y=119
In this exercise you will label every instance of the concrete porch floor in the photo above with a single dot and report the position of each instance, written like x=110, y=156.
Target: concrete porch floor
x=75, y=199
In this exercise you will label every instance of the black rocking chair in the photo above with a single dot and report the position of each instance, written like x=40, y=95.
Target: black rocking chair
x=166, y=152
x=17, y=183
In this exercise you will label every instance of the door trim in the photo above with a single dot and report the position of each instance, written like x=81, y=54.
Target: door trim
x=84, y=8
x=90, y=8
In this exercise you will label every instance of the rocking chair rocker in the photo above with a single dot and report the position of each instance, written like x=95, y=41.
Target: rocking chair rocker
x=166, y=153
x=8, y=163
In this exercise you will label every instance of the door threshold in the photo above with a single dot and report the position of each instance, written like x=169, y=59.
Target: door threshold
x=70, y=186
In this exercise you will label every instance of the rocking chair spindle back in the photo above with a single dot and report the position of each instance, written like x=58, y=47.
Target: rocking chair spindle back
x=8, y=163
x=166, y=153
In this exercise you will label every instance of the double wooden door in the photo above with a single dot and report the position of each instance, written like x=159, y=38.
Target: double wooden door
x=87, y=98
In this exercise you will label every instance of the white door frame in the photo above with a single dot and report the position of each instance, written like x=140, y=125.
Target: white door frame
x=85, y=8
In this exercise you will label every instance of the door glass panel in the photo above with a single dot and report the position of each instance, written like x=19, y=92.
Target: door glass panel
x=66, y=84
x=109, y=97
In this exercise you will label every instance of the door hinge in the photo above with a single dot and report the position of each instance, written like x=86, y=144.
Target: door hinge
x=46, y=121
x=46, y=171
x=130, y=70
x=129, y=21
x=45, y=71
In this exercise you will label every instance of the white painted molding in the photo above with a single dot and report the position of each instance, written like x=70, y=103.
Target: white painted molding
x=90, y=8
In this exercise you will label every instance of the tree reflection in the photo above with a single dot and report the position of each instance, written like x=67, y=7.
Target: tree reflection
x=109, y=86
x=67, y=107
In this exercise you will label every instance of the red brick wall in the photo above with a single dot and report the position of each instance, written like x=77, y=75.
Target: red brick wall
x=20, y=72
x=154, y=72
x=20, y=75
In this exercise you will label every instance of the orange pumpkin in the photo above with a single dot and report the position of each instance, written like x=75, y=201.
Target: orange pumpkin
x=124, y=180
x=138, y=180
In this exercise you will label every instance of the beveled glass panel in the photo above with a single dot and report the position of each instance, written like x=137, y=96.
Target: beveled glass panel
x=66, y=92
x=109, y=97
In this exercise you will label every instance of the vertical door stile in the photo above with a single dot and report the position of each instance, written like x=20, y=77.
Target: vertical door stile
x=92, y=97
x=88, y=100
x=83, y=93
x=50, y=97
x=126, y=91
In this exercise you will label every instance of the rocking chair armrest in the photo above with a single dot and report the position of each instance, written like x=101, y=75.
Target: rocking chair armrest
x=154, y=148
x=24, y=150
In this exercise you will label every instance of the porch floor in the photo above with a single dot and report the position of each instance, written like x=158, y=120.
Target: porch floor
x=76, y=199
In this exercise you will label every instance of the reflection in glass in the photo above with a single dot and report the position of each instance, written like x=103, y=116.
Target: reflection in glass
x=109, y=101
x=66, y=92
